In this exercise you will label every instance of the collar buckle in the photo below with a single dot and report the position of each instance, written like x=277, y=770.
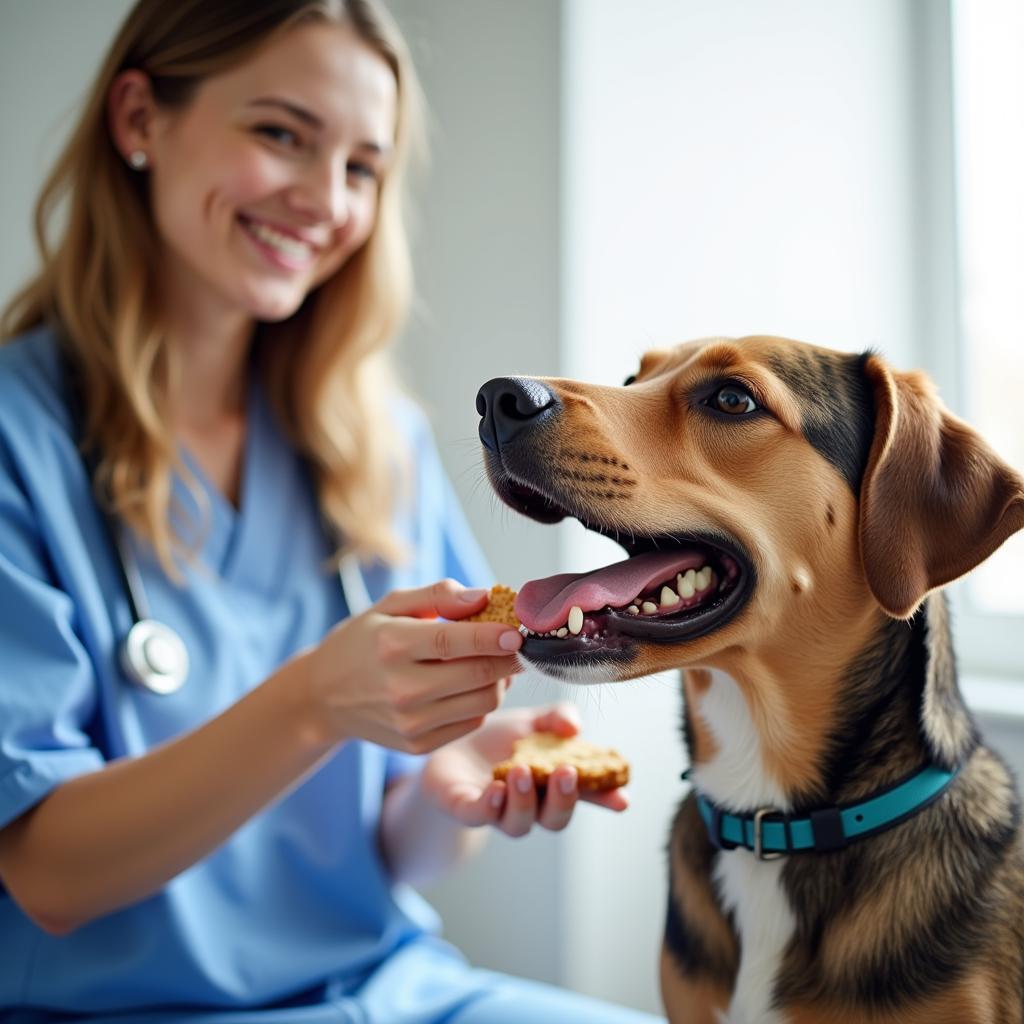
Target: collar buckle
x=759, y=851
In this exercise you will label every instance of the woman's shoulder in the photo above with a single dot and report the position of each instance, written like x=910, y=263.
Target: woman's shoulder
x=414, y=420
x=408, y=414
x=31, y=380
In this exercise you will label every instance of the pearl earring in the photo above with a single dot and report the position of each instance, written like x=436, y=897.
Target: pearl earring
x=137, y=159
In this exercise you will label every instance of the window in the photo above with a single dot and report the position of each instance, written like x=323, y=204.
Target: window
x=988, y=141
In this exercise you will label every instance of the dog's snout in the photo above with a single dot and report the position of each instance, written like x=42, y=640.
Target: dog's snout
x=509, y=404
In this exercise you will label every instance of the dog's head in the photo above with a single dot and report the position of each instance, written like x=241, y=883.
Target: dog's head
x=761, y=488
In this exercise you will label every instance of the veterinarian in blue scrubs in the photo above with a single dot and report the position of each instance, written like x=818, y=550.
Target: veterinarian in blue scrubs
x=225, y=829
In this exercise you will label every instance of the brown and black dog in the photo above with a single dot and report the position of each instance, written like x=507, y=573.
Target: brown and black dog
x=851, y=852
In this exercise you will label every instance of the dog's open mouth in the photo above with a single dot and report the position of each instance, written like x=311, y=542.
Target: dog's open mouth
x=671, y=588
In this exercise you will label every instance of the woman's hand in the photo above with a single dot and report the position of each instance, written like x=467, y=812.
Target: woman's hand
x=397, y=676
x=459, y=780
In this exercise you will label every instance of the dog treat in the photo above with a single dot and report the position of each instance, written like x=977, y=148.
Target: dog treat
x=599, y=768
x=499, y=608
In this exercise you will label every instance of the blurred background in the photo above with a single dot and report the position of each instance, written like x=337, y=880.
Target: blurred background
x=607, y=178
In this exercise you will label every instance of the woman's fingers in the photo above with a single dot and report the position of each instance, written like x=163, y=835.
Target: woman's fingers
x=431, y=739
x=426, y=684
x=559, y=799
x=464, y=706
x=525, y=806
x=405, y=639
x=520, y=810
x=563, y=719
x=439, y=640
x=612, y=800
x=473, y=806
x=447, y=599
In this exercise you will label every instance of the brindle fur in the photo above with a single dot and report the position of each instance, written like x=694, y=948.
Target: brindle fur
x=892, y=920
x=858, y=498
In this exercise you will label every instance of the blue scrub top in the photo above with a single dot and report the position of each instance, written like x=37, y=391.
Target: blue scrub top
x=296, y=906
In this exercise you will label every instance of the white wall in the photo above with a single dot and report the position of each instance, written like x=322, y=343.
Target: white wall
x=49, y=52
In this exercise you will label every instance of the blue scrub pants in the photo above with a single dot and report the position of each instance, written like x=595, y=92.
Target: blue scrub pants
x=426, y=982
x=508, y=1001
x=517, y=1001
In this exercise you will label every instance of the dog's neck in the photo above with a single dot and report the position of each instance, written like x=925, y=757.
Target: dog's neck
x=770, y=734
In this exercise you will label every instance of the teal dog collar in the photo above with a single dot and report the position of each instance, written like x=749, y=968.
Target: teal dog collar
x=770, y=834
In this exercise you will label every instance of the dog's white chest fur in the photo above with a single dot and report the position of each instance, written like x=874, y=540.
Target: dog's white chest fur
x=749, y=889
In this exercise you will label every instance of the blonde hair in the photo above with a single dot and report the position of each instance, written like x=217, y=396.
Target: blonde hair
x=324, y=369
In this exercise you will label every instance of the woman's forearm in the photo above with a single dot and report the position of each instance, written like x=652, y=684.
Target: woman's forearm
x=104, y=840
x=419, y=842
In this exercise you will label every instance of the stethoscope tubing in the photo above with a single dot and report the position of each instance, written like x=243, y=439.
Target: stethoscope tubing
x=152, y=654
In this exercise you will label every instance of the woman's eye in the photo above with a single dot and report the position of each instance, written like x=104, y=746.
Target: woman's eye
x=361, y=170
x=279, y=134
x=733, y=400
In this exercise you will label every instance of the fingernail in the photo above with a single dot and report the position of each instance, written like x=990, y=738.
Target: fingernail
x=567, y=783
x=472, y=594
x=524, y=784
x=511, y=640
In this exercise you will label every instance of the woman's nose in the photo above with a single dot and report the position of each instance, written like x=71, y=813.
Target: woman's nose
x=324, y=194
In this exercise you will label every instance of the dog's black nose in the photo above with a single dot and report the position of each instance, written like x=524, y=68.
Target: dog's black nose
x=507, y=405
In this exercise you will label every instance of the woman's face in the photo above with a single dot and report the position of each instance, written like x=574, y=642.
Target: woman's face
x=267, y=181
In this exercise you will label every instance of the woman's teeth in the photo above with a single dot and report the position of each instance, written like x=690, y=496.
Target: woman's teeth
x=687, y=585
x=284, y=244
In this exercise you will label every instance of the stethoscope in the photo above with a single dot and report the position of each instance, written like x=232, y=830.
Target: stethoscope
x=152, y=654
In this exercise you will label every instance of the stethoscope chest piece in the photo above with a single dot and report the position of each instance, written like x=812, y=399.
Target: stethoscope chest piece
x=155, y=657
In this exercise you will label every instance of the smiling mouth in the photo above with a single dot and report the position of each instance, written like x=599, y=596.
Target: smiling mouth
x=671, y=588
x=294, y=253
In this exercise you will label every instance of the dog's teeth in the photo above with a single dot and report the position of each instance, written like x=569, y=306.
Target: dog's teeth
x=523, y=630
x=649, y=607
x=668, y=597
x=684, y=584
x=575, y=620
x=563, y=632
x=633, y=610
x=704, y=578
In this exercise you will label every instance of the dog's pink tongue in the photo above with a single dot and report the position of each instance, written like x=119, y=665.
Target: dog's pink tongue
x=542, y=605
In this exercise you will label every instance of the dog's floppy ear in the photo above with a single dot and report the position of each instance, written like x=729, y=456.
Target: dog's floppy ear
x=935, y=500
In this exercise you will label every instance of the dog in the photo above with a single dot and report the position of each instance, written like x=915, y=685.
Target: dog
x=850, y=851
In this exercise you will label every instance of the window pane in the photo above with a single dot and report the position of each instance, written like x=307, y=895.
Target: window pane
x=988, y=40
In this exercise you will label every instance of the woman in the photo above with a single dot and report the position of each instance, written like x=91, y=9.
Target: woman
x=198, y=374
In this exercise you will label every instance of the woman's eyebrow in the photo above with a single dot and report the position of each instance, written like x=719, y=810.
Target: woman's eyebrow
x=292, y=108
x=308, y=117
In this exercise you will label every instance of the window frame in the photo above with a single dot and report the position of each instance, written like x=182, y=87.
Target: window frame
x=988, y=644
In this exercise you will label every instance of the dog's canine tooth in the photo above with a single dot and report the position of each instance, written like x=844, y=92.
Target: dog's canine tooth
x=668, y=597
x=684, y=584
x=575, y=620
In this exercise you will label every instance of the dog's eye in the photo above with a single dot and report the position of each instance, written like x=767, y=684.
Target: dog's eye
x=733, y=400
x=629, y=380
